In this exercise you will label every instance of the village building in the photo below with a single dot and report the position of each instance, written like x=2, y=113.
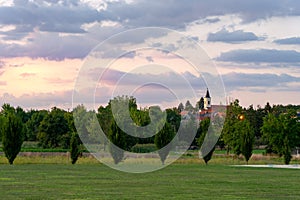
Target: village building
x=207, y=111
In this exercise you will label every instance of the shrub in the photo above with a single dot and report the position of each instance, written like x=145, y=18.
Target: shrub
x=143, y=148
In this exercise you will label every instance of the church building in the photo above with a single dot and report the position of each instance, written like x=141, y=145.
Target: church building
x=207, y=101
x=210, y=110
x=204, y=110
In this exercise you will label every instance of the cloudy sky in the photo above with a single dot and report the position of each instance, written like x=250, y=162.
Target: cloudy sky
x=255, y=46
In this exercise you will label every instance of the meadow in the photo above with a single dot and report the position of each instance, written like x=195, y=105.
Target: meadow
x=53, y=177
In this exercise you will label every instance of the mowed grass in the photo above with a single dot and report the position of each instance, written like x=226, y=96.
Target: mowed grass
x=178, y=181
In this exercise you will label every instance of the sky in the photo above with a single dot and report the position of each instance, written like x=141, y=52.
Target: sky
x=254, y=46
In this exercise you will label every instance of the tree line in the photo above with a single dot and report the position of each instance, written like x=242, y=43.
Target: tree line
x=276, y=127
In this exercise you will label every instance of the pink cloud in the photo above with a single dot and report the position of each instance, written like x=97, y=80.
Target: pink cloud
x=58, y=80
x=26, y=75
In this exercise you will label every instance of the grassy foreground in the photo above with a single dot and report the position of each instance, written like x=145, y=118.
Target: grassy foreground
x=177, y=181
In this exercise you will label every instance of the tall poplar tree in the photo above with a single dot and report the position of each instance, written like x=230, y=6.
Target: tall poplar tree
x=12, y=136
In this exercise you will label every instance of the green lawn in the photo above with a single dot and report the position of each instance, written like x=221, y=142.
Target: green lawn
x=255, y=151
x=178, y=181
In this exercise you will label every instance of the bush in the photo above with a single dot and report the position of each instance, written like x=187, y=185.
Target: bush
x=143, y=148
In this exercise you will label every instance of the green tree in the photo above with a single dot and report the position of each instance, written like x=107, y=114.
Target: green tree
x=120, y=140
x=74, y=147
x=96, y=135
x=141, y=118
x=202, y=131
x=12, y=136
x=268, y=108
x=70, y=120
x=32, y=125
x=81, y=118
x=230, y=135
x=180, y=107
x=271, y=130
x=22, y=114
x=255, y=117
x=188, y=133
x=200, y=104
x=1, y=125
x=126, y=123
x=174, y=117
x=54, y=130
x=162, y=140
x=6, y=109
x=281, y=133
x=189, y=106
x=246, y=138
x=105, y=117
x=118, y=143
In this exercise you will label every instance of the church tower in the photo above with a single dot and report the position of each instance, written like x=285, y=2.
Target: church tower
x=207, y=100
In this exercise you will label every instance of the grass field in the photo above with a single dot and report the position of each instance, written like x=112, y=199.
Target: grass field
x=88, y=180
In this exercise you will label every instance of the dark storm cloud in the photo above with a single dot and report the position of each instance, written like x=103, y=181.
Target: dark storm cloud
x=288, y=41
x=231, y=37
x=260, y=56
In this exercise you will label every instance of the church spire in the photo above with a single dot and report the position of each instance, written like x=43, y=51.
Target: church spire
x=207, y=94
x=207, y=100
